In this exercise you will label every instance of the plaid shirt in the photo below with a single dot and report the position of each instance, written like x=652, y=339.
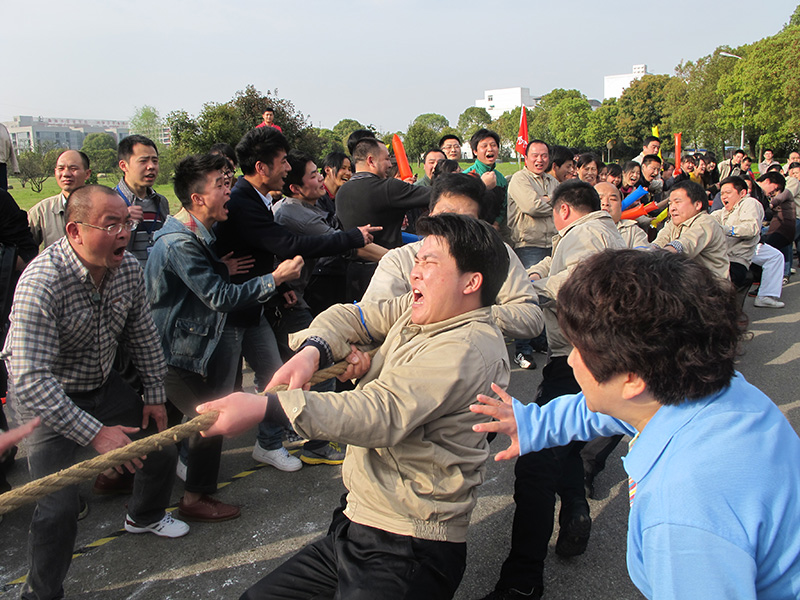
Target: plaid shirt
x=64, y=335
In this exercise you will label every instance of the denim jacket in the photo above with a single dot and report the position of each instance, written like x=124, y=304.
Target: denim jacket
x=190, y=292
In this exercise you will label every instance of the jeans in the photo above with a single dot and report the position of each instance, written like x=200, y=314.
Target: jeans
x=260, y=350
x=357, y=562
x=529, y=256
x=55, y=519
x=539, y=476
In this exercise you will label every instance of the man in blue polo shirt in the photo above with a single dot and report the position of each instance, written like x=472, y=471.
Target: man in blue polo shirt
x=713, y=463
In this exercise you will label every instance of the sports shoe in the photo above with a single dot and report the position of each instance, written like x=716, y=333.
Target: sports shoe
x=574, y=535
x=180, y=469
x=278, y=458
x=785, y=281
x=768, y=302
x=793, y=271
x=207, y=510
x=330, y=454
x=525, y=361
x=167, y=527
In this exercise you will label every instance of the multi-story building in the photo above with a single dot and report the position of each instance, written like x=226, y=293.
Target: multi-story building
x=496, y=102
x=614, y=85
x=32, y=133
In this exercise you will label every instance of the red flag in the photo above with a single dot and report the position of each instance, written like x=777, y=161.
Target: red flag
x=522, y=136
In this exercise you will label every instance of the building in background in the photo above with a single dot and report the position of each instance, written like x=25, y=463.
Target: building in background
x=29, y=133
x=496, y=102
x=614, y=85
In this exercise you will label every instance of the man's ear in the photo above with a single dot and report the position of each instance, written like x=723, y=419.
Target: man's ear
x=123, y=166
x=73, y=231
x=197, y=199
x=474, y=283
x=633, y=386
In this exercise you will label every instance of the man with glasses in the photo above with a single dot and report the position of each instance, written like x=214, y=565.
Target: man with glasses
x=74, y=304
x=47, y=219
x=451, y=146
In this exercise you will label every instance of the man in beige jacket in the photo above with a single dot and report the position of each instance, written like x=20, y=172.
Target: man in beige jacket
x=413, y=460
x=611, y=202
x=692, y=231
x=583, y=230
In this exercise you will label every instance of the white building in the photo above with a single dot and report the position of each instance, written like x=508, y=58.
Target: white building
x=613, y=85
x=27, y=133
x=496, y=102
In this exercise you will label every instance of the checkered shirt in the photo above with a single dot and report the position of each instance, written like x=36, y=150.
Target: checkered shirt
x=64, y=335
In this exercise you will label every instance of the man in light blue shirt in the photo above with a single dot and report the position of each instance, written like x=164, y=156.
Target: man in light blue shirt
x=713, y=465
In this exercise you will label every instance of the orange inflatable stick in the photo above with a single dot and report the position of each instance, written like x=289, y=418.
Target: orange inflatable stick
x=678, y=137
x=633, y=213
x=403, y=168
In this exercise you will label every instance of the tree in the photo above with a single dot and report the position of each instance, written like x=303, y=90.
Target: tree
x=419, y=139
x=433, y=121
x=539, y=121
x=344, y=128
x=472, y=119
x=318, y=143
x=145, y=121
x=641, y=107
x=218, y=123
x=101, y=148
x=602, y=125
x=251, y=103
x=568, y=121
x=183, y=129
x=37, y=166
x=507, y=124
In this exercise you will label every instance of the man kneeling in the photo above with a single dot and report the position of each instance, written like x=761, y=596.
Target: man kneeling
x=413, y=460
x=712, y=466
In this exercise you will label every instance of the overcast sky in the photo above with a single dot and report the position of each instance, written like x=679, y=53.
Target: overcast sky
x=378, y=61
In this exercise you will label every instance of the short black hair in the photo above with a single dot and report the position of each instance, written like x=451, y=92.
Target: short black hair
x=461, y=184
x=685, y=349
x=650, y=158
x=689, y=159
x=357, y=136
x=125, y=148
x=84, y=157
x=694, y=190
x=225, y=150
x=774, y=167
x=739, y=151
x=586, y=158
x=537, y=141
x=190, y=174
x=735, y=181
x=81, y=201
x=448, y=165
x=365, y=147
x=475, y=246
x=437, y=150
x=481, y=135
x=775, y=177
x=614, y=170
x=333, y=161
x=261, y=144
x=578, y=194
x=298, y=161
x=449, y=136
x=769, y=150
x=560, y=154
x=631, y=165
x=793, y=165
x=649, y=139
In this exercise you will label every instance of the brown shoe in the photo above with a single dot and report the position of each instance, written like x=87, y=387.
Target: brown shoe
x=106, y=486
x=207, y=510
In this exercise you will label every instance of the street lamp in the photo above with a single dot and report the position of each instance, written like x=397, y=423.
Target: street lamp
x=729, y=55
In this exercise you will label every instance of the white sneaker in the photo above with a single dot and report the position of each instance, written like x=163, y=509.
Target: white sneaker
x=767, y=302
x=278, y=458
x=180, y=470
x=167, y=527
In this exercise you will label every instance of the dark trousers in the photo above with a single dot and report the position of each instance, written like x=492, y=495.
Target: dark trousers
x=539, y=477
x=3, y=176
x=55, y=518
x=356, y=562
x=596, y=452
x=359, y=274
x=186, y=391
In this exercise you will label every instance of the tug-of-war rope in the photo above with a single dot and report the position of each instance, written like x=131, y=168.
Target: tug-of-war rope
x=88, y=469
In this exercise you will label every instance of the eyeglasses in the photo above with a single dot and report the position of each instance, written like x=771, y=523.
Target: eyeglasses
x=113, y=229
x=227, y=174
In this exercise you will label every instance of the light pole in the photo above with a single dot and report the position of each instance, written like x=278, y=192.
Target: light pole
x=741, y=142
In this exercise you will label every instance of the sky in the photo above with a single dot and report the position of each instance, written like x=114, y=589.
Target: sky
x=381, y=62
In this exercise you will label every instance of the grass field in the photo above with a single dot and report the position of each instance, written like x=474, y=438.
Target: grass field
x=26, y=198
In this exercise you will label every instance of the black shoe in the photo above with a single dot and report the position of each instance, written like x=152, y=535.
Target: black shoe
x=588, y=484
x=574, y=534
x=525, y=361
x=535, y=594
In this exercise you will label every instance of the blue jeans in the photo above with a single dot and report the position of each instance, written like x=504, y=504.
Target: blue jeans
x=55, y=521
x=260, y=350
x=529, y=256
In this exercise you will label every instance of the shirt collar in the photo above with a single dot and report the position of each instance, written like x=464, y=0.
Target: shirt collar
x=76, y=266
x=194, y=225
x=128, y=194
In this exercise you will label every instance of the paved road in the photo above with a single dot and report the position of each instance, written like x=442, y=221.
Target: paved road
x=283, y=511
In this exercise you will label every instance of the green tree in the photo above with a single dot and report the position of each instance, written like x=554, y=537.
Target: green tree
x=568, y=121
x=218, y=123
x=602, y=125
x=436, y=122
x=419, y=139
x=641, y=107
x=344, y=128
x=539, y=121
x=318, y=143
x=183, y=129
x=35, y=167
x=472, y=119
x=101, y=148
x=507, y=124
x=250, y=104
x=146, y=121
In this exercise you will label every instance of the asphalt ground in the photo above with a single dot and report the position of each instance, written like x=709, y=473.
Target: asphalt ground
x=281, y=512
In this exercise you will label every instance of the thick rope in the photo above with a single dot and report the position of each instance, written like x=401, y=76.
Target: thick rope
x=88, y=469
